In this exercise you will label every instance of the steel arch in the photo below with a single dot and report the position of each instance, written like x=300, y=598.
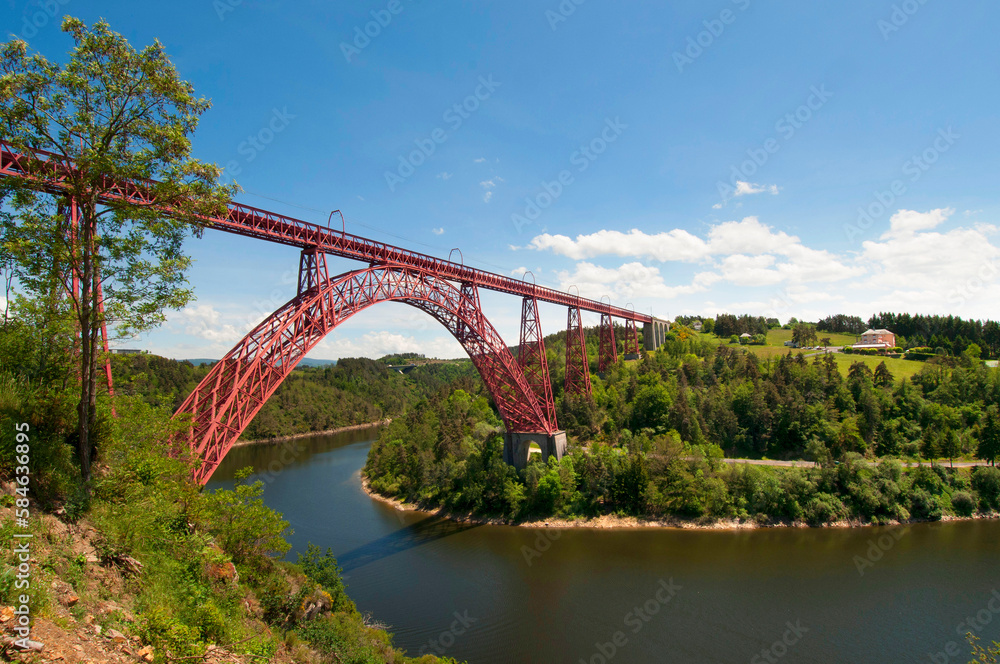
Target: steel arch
x=237, y=387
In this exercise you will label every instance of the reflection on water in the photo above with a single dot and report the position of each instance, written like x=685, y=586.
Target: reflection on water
x=590, y=590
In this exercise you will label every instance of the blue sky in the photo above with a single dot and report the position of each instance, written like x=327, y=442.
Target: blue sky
x=779, y=158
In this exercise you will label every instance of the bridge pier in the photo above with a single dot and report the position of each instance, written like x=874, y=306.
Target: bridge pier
x=517, y=446
x=654, y=333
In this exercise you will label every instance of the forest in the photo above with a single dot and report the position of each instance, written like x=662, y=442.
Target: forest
x=352, y=391
x=651, y=441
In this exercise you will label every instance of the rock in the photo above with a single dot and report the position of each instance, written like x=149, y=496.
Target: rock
x=117, y=636
x=35, y=646
x=146, y=654
x=70, y=600
x=6, y=614
x=314, y=604
x=98, y=629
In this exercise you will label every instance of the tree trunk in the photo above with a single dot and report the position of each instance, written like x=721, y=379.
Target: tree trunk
x=88, y=397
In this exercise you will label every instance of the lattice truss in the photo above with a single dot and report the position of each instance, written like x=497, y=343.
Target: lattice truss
x=237, y=387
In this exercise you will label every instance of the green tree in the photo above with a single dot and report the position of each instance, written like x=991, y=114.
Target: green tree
x=971, y=355
x=323, y=569
x=116, y=115
x=883, y=377
x=804, y=335
x=989, y=435
x=246, y=528
x=859, y=371
x=950, y=445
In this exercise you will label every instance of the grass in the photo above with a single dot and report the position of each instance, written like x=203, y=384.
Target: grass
x=780, y=336
x=899, y=368
x=776, y=348
x=768, y=352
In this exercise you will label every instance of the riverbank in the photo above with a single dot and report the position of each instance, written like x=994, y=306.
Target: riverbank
x=614, y=521
x=327, y=432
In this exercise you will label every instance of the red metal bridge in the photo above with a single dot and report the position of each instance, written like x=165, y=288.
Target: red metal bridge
x=237, y=387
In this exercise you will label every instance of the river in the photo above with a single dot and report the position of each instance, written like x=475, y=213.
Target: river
x=497, y=594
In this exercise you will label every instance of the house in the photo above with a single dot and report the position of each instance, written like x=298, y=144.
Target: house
x=745, y=337
x=876, y=340
x=696, y=326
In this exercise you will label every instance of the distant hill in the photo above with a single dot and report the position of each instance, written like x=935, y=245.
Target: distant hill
x=308, y=362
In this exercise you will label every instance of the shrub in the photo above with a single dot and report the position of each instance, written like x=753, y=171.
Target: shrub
x=986, y=482
x=246, y=528
x=823, y=508
x=924, y=506
x=963, y=503
x=324, y=570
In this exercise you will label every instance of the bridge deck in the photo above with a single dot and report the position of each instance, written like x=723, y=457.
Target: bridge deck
x=52, y=172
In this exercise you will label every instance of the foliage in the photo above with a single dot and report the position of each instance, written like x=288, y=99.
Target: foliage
x=246, y=528
x=729, y=324
x=950, y=333
x=120, y=116
x=352, y=391
x=842, y=323
x=322, y=568
x=804, y=335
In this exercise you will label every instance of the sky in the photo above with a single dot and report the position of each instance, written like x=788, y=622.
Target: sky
x=774, y=158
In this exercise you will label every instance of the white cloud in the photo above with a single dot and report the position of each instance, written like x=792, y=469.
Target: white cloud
x=444, y=175
x=631, y=280
x=677, y=244
x=437, y=231
x=479, y=160
x=205, y=322
x=380, y=343
x=489, y=185
x=910, y=257
x=748, y=238
x=906, y=222
x=747, y=188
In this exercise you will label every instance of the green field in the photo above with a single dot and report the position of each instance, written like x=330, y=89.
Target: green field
x=780, y=336
x=775, y=348
x=899, y=368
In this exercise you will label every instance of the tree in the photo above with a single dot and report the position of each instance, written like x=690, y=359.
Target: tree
x=246, y=528
x=804, y=335
x=826, y=341
x=989, y=436
x=116, y=115
x=971, y=355
x=883, y=377
x=950, y=445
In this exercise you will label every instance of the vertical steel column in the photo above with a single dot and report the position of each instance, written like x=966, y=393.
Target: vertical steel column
x=608, y=351
x=312, y=270
x=577, y=367
x=631, y=338
x=531, y=357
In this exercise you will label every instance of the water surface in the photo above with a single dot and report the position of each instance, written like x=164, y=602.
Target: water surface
x=496, y=594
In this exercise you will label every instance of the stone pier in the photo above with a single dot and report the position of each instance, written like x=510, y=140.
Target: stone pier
x=654, y=334
x=516, y=446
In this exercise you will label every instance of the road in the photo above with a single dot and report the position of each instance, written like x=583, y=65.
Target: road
x=812, y=464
